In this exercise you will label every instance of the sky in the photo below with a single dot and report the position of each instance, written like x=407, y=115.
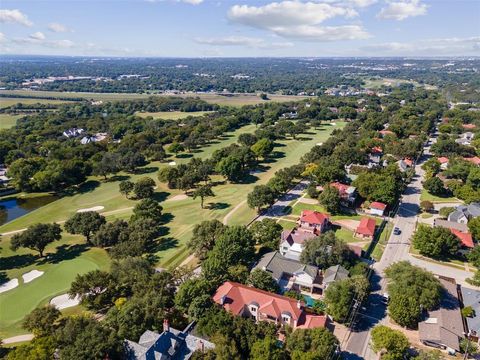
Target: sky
x=240, y=28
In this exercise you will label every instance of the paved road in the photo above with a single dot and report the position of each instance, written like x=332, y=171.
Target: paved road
x=278, y=209
x=357, y=345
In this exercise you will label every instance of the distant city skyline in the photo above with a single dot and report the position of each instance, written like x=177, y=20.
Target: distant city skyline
x=236, y=28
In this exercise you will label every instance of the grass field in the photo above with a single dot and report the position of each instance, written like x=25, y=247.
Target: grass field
x=7, y=120
x=172, y=115
x=6, y=102
x=426, y=196
x=182, y=215
x=233, y=100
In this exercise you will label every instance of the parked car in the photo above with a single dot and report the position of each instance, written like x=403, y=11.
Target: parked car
x=396, y=231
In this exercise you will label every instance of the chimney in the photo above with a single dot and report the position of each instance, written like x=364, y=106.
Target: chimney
x=201, y=346
x=166, y=325
x=299, y=304
x=223, y=300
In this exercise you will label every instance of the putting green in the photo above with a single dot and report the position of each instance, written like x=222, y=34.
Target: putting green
x=16, y=303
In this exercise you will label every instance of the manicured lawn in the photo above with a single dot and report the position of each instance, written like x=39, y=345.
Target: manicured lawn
x=172, y=115
x=426, y=196
x=288, y=225
x=7, y=120
x=382, y=242
x=180, y=215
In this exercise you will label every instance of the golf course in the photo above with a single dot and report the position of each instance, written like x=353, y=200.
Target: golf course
x=71, y=256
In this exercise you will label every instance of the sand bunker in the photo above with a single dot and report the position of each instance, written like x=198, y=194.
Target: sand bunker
x=319, y=144
x=178, y=197
x=172, y=163
x=333, y=124
x=31, y=275
x=9, y=285
x=64, y=301
x=95, y=208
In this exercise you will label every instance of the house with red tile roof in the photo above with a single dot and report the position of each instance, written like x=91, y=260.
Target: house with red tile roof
x=443, y=162
x=465, y=238
x=474, y=160
x=377, y=208
x=384, y=133
x=313, y=221
x=469, y=126
x=348, y=194
x=249, y=302
x=366, y=228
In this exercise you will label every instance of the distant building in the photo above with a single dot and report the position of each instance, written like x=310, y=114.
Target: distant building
x=366, y=228
x=73, y=132
x=348, y=193
x=443, y=328
x=405, y=164
x=443, y=162
x=291, y=274
x=95, y=138
x=384, y=133
x=171, y=344
x=474, y=160
x=249, y=302
x=465, y=139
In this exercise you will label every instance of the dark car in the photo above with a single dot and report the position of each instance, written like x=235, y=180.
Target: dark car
x=396, y=231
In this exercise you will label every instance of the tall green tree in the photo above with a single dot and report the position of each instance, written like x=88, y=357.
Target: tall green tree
x=204, y=237
x=391, y=342
x=202, y=192
x=261, y=196
x=330, y=199
x=37, y=237
x=85, y=223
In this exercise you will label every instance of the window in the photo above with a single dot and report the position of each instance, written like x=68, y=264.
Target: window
x=253, y=309
x=286, y=319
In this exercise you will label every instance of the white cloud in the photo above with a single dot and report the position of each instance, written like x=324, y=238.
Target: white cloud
x=58, y=28
x=3, y=38
x=401, y=10
x=14, y=16
x=300, y=20
x=56, y=44
x=37, y=36
x=242, y=41
x=428, y=47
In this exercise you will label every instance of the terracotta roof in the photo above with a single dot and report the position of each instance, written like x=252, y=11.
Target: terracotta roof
x=378, y=205
x=376, y=149
x=343, y=189
x=443, y=160
x=313, y=217
x=465, y=237
x=357, y=250
x=469, y=126
x=408, y=162
x=366, y=226
x=474, y=160
x=386, y=132
x=308, y=321
x=237, y=296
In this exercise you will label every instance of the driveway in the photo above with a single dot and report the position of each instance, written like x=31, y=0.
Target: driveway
x=280, y=206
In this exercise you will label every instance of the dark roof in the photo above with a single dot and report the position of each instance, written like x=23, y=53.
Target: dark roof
x=471, y=298
x=334, y=273
x=450, y=225
x=444, y=325
x=278, y=265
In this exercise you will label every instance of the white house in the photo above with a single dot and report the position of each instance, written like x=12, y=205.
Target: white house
x=377, y=208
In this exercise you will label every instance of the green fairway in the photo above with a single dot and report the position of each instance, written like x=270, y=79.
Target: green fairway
x=172, y=115
x=7, y=120
x=6, y=102
x=182, y=214
x=56, y=280
x=220, y=99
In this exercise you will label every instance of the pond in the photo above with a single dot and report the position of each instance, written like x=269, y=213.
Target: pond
x=12, y=208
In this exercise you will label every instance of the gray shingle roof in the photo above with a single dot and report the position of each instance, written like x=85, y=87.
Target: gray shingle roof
x=334, y=273
x=470, y=211
x=471, y=298
x=279, y=265
x=450, y=225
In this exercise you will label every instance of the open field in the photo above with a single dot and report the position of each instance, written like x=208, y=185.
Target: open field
x=6, y=102
x=180, y=215
x=376, y=83
x=172, y=115
x=7, y=120
x=231, y=100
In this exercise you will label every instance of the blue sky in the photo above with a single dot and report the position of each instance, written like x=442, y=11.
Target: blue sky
x=200, y=28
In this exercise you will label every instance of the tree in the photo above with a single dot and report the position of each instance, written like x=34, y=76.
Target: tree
x=267, y=233
x=175, y=148
x=339, y=298
x=42, y=321
x=388, y=341
x=85, y=223
x=204, y=237
x=432, y=166
x=126, y=187
x=474, y=227
x=42, y=348
x=434, y=186
x=262, y=148
x=325, y=250
x=311, y=344
x=37, y=237
x=445, y=211
x=110, y=233
x=225, y=348
x=468, y=311
x=263, y=280
x=247, y=139
x=231, y=168
x=328, y=171
x=147, y=209
x=429, y=355
x=144, y=188
x=267, y=349
x=190, y=290
x=330, y=199
x=426, y=206
x=202, y=192
x=108, y=164
x=474, y=255
x=411, y=290
x=261, y=196
x=95, y=289
x=435, y=242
